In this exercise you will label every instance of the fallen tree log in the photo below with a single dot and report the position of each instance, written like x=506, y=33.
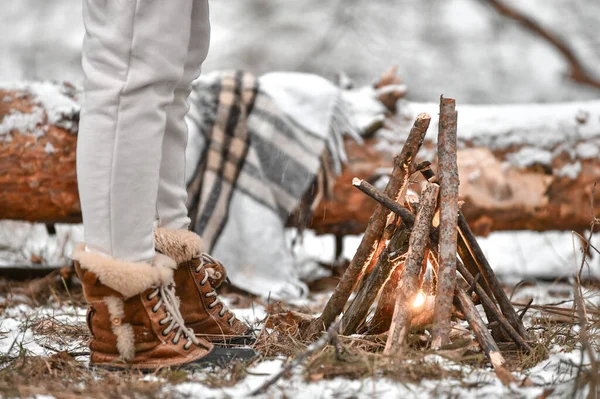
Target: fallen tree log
x=525, y=166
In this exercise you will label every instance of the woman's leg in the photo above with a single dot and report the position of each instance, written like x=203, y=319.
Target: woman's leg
x=172, y=194
x=134, y=53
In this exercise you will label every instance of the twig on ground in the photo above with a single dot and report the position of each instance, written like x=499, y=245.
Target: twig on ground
x=312, y=348
x=525, y=309
x=409, y=278
x=448, y=180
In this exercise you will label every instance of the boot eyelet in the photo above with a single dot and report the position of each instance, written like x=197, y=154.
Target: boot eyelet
x=175, y=342
x=164, y=334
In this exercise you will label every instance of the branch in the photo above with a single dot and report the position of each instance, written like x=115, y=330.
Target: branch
x=577, y=72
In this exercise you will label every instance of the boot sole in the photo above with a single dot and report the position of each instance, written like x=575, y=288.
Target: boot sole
x=219, y=357
x=233, y=341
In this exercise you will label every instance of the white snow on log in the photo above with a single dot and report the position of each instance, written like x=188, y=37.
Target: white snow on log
x=500, y=126
x=570, y=170
x=49, y=148
x=587, y=150
x=528, y=156
x=24, y=123
x=529, y=133
x=54, y=106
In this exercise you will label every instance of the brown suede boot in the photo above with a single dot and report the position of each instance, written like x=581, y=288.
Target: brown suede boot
x=134, y=317
x=196, y=277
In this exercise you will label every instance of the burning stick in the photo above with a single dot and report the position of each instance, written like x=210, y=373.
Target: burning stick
x=388, y=261
x=448, y=180
x=409, y=279
x=483, y=336
x=374, y=230
x=380, y=323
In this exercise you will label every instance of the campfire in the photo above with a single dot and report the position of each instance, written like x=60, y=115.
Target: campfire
x=419, y=264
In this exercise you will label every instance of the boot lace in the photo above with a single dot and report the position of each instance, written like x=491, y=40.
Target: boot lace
x=173, y=318
x=212, y=273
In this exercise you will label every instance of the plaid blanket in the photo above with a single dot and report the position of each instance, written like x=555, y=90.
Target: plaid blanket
x=255, y=165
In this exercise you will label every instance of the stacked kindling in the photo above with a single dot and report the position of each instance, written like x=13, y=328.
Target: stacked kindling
x=407, y=239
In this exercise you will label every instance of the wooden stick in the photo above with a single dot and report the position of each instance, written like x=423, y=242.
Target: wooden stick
x=377, y=223
x=391, y=226
x=486, y=271
x=490, y=307
x=407, y=216
x=312, y=348
x=463, y=251
x=389, y=259
x=409, y=278
x=483, y=336
x=448, y=180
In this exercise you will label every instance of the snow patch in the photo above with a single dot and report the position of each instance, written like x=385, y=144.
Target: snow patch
x=24, y=123
x=49, y=148
x=54, y=105
x=587, y=150
x=528, y=156
x=570, y=170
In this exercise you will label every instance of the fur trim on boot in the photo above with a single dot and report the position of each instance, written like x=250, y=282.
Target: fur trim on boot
x=180, y=245
x=127, y=278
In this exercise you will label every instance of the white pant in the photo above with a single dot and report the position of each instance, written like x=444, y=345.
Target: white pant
x=139, y=59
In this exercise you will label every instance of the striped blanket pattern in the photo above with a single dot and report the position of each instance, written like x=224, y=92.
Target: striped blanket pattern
x=251, y=146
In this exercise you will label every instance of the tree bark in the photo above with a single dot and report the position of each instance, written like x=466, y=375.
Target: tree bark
x=37, y=160
x=38, y=181
x=448, y=181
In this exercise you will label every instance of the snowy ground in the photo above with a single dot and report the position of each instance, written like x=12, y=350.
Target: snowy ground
x=27, y=330
x=514, y=255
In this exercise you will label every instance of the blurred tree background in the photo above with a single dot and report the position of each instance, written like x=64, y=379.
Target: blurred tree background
x=461, y=48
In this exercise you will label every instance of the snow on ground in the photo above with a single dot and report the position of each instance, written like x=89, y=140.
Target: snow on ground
x=27, y=330
x=514, y=255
